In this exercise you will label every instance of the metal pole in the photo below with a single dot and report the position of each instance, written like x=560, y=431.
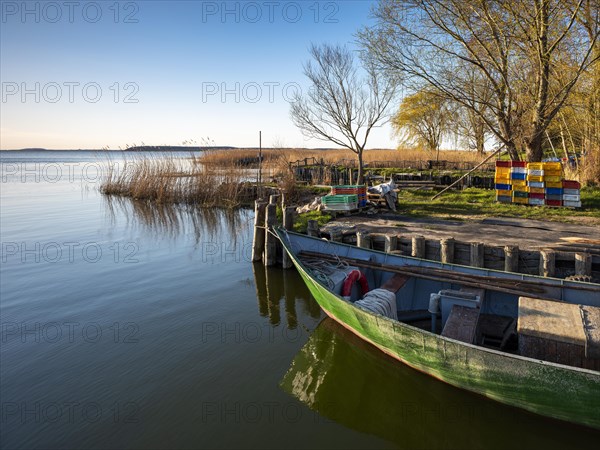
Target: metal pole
x=259, y=164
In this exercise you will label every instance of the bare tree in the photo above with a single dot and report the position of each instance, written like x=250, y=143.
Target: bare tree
x=341, y=106
x=522, y=49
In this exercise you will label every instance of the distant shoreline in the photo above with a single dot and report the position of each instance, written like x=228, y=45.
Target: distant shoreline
x=173, y=148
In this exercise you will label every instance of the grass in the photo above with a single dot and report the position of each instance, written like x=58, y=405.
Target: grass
x=473, y=202
x=301, y=221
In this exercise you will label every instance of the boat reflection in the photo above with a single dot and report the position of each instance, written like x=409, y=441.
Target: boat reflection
x=346, y=380
x=275, y=286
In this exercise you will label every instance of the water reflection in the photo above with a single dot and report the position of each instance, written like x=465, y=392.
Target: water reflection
x=274, y=286
x=347, y=380
x=173, y=220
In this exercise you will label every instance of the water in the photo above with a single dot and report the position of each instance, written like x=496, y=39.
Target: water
x=131, y=326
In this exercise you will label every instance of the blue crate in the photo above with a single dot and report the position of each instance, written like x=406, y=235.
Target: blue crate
x=554, y=191
x=518, y=176
x=503, y=187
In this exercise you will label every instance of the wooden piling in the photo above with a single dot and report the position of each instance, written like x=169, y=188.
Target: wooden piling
x=363, y=239
x=312, y=228
x=391, y=243
x=273, y=199
x=477, y=254
x=511, y=258
x=270, y=239
x=447, y=250
x=288, y=224
x=547, y=263
x=258, y=244
x=418, y=247
x=583, y=264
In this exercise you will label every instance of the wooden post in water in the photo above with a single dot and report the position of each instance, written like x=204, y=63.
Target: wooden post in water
x=547, y=263
x=418, y=247
x=391, y=243
x=511, y=258
x=447, y=250
x=288, y=224
x=312, y=228
x=258, y=244
x=273, y=199
x=583, y=264
x=477, y=254
x=270, y=239
x=363, y=239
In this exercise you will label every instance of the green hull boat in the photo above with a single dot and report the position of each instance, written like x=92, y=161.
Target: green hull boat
x=482, y=355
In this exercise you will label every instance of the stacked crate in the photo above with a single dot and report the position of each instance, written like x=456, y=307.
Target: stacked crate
x=359, y=190
x=340, y=202
x=571, y=194
x=535, y=184
x=503, y=182
x=553, y=177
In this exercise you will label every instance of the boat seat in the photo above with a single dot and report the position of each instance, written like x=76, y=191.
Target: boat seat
x=462, y=324
x=395, y=283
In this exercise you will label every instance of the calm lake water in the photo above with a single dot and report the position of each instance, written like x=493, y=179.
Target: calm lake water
x=131, y=326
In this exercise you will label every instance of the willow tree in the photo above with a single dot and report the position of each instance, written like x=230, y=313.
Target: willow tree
x=344, y=102
x=422, y=120
x=531, y=53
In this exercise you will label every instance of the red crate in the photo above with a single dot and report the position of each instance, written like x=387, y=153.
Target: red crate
x=532, y=195
x=503, y=163
x=554, y=203
x=518, y=164
x=570, y=184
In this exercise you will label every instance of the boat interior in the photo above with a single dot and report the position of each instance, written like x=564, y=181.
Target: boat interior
x=483, y=314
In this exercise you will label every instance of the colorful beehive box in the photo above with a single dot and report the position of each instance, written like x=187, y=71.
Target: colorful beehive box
x=519, y=184
x=554, y=191
x=520, y=194
x=571, y=204
x=535, y=178
x=502, y=193
x=340, y=202
x=537, y=184
x=537, y=201
x=571, y=192
x=504, y=198
x=518, y=176
x=503, y=164
x=552, y=184
x=522, y=164
x=554, y=203
x=535, y=190
x=360, y=190
x=535, y=166
x=554, y=197
x=571, y=198
x=503, y=187
x=571, y=184
x=520, y=200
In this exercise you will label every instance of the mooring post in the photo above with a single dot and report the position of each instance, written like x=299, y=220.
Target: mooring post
x=258, y=243
x=273, y=199
x=288, y=224
x=547, y=263
x=270, y=238
x=511, y=258
x=418, y=247
x=363, y=240
x=312, y=228
x=447, y=250
x=583, y=264
x=477, y=254
x=335, y=235
x=391, y=243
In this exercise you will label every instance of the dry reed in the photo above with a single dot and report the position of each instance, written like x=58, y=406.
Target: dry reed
x=169, y=179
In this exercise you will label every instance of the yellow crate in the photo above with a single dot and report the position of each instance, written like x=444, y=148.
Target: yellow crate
x=502, y=180
x=535, y=190
x=519, y=183
x=520, y=189
x=521, y=200
x=554, y=184
x=553, y=179
x=535, y=178
x=554, y=166
x=502, y=171
x=503, y=193
x=535, y=166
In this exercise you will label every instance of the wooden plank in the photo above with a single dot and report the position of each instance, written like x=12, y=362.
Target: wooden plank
x=461, y=324
x=396, y=282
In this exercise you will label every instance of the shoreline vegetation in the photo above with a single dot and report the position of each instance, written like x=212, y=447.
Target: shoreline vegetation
x=228, y=179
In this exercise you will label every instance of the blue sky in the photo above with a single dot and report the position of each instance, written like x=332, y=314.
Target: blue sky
x=97, y=74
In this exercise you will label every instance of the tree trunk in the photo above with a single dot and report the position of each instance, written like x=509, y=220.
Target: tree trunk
x=360, y=178
x=511, y=149
x=533, y=148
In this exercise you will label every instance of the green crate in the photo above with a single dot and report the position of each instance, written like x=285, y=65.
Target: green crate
x=340, y=198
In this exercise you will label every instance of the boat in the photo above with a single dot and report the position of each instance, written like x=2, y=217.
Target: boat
x=526, y=341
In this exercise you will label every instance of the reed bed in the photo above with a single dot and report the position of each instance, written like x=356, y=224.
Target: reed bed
x=276, y=158
x=169, y=179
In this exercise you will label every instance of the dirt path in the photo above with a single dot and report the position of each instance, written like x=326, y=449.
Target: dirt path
x=527, y=234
